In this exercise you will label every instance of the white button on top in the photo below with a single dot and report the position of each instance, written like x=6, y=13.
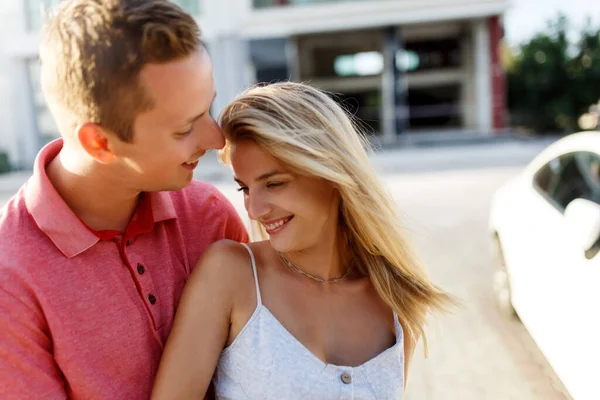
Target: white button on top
x=346, y=378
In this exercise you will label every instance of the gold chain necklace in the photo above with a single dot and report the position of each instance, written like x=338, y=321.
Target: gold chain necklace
x=298, y=270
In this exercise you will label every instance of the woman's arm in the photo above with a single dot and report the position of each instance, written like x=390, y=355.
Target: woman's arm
x=201, y=326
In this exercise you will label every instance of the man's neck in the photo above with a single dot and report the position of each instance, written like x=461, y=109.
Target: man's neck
x=100, y=202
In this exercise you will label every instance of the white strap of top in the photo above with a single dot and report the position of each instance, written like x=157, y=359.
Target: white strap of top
x=397, y=326
x=258, y=298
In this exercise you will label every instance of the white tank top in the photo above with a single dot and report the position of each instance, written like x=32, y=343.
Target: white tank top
x=265, y=362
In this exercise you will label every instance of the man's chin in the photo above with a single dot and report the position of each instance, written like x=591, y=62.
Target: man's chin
x=171, y=186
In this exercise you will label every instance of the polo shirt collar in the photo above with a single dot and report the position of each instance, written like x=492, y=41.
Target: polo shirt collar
x=68, y=233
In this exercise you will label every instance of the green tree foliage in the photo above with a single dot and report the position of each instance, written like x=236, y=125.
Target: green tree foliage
x=551, y=81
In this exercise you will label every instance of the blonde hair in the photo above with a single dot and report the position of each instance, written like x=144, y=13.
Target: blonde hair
x=92, y=52
x=308, y=131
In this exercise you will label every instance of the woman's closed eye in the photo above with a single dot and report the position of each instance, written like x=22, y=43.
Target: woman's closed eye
x=275, y=185
x=269, y=186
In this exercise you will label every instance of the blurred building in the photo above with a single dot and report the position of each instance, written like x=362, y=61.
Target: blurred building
x=403, y=67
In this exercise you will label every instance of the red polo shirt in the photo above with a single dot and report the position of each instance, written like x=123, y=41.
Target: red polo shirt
x=85, y=314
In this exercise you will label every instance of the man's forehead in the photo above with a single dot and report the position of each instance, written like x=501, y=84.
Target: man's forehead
x=180, y=91
x=190, y=73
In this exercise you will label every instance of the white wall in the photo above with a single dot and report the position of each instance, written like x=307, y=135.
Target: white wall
x=483, y=75
x=219, y=23
x=8, y=142
x=323, y=17
x=17, y=124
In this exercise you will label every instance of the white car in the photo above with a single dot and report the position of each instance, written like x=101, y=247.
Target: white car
x=545, y=225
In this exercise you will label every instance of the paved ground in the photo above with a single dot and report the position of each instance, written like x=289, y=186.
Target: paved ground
x=444, y=195
x=475, y=353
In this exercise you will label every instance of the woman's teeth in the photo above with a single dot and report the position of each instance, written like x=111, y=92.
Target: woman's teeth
x=277, y=224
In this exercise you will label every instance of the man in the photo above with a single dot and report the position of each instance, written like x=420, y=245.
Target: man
x=96, y=247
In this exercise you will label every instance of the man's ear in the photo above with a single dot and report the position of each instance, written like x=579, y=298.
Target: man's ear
x=95, y=142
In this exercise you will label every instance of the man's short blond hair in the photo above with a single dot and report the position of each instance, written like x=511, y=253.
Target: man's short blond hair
x=92, y=53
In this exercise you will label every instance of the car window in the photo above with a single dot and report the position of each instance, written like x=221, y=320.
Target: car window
x=569, y=177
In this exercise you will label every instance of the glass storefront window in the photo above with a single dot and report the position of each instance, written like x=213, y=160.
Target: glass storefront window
x=359, y=64
x=417, y=56
x=431, y=55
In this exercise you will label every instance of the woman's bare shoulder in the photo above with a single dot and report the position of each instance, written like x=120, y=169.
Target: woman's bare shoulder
x=225, y=250
x=226, y=264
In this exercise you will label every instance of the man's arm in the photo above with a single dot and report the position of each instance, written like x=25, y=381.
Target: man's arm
x=27, y=366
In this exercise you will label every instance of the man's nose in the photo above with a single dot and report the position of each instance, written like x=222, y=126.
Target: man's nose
x=212, y=136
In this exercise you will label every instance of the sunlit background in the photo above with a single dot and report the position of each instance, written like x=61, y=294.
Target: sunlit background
x=458, y=97
x=402, y=67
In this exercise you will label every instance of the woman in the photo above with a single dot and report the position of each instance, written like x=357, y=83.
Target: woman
x=329, y=307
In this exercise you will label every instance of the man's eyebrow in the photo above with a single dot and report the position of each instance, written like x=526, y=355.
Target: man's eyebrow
x=197, y=117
